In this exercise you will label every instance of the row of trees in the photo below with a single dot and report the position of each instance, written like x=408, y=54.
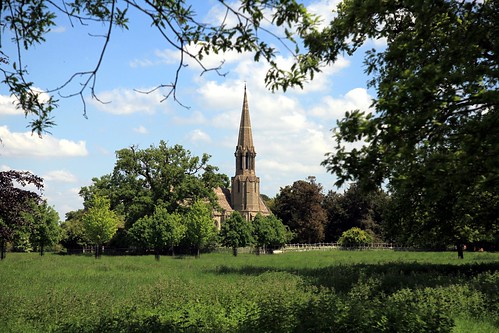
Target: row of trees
x=316, y=217
x=163, y=231
x=161, y=199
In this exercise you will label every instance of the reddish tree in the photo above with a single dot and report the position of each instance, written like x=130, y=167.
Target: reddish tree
x=14, y=200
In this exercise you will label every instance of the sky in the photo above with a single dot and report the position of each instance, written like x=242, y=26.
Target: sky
x=291, y=130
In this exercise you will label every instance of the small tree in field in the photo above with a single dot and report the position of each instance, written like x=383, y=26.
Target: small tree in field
x=46, y=230
x=100, y=223
x=269, y=232
x=158, y=231
x=354, y=237
x=200, y=226
x=236, y=232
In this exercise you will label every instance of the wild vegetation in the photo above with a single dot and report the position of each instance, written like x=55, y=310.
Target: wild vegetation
x=330, y=291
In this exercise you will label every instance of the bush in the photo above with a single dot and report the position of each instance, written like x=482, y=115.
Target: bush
x=354, y=237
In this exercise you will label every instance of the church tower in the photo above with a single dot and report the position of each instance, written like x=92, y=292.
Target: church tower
x=245, y=185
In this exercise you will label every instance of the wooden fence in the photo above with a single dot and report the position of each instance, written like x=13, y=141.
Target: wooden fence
x=331, y=246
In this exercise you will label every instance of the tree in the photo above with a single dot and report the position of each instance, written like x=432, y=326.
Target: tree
x=46, y=230
x=14, y=201
x=100, y=223
x=299, y=206
x=355, y=208
x=144, y=178
x=200, y=226
x=354, y=237
x=73, y=230
x=269, y=232
x=158, y=231
x=26, y=24
x=432, y=138
x=236, y=232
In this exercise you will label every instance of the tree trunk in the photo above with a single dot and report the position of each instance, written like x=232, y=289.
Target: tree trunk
x=97, y=251
x=197, y=252
x=41, y=250
x=460, y=251
x=156, y=254
x=2, y=249
x=234, y=251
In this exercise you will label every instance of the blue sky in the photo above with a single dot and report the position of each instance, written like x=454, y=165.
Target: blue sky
x=291, y=130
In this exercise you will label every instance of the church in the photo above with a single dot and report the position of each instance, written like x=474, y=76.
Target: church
x=244, y=193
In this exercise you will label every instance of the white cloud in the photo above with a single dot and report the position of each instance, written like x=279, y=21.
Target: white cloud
x=127, y=101
x=335, y=108
x=26, y=144
x=7, y=106
x=58, y=29
x=324, y=9
x=141, y=130
x=64, y=199
x=60, y=176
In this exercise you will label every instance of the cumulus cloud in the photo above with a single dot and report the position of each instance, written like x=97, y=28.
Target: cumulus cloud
x=127, y=101
x=60, y=176
x=335, y=108
x=25, y=144
x=7, y=106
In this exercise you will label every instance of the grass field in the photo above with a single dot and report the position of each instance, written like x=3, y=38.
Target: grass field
x=322, y=291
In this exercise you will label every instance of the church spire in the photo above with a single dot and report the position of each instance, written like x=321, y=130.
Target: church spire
x=245, y=185
x=245, y=140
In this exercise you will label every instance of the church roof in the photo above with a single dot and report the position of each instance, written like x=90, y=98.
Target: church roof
x=245, y=139
x=223, y=196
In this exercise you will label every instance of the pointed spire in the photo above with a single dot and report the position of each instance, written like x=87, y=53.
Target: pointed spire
x=245, y=140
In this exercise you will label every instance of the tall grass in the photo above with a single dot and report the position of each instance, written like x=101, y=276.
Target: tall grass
x=330, y=291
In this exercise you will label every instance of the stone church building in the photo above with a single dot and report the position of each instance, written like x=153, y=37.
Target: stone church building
x=244, y=194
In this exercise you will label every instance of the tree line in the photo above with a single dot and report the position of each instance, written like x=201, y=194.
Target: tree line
x=157, y=199
x=161, y=199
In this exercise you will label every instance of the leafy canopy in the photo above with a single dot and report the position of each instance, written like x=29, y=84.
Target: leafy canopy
x=14, y=202
x=269, y=232
x=99, y=221
x=299, y=206
x=169, y=176
x=201, y=229
x=161, y=230
x=432, y=138
x=236, y=232
x=45, y=230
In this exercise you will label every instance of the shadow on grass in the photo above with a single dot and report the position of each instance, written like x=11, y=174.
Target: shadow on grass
x=391, y=276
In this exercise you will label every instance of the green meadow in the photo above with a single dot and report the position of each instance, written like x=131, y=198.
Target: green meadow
x=320, y=291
